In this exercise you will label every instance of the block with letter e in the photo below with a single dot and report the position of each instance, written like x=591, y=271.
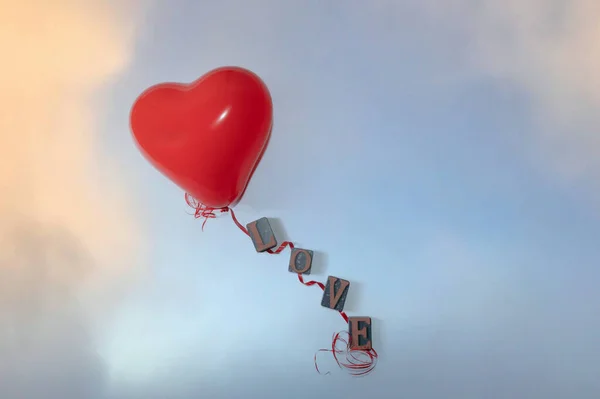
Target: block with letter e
x=359, y=329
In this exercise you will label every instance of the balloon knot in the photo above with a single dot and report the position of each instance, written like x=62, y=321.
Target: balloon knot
x=201, y=210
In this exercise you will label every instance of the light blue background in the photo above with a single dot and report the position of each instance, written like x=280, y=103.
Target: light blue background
x=407, y=171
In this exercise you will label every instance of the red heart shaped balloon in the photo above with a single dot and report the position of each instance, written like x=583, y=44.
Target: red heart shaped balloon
x=208, y=136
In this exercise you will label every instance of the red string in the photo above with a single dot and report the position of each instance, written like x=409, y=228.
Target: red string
x=322, y=286
x=201, y=210
x=358, y=362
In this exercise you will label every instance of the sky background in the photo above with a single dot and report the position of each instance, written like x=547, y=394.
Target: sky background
x=454, y=161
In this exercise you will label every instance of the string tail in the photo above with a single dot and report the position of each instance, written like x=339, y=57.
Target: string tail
x=356, y=362
x=201, y=210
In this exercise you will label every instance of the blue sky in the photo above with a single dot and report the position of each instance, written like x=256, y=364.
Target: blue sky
x=450, y=179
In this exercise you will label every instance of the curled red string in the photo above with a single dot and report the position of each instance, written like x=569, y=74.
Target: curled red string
x=201, y=210
x=358, y=362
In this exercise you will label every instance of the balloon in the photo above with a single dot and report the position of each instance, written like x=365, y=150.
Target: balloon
x=208, y=136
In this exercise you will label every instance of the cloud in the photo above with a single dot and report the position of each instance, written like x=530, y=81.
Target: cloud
x=551, y=51
x=61, y=233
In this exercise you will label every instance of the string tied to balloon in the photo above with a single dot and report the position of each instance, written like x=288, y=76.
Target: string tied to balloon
x=357, y=362
x=201, y=210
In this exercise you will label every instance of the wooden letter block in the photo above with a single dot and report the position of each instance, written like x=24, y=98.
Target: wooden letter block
x=262, y=235
x=334, y=295
x=359, y=329
x=301, y=261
